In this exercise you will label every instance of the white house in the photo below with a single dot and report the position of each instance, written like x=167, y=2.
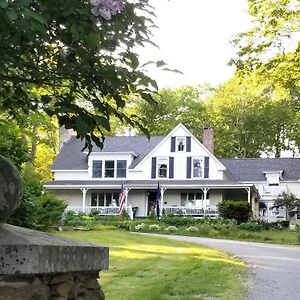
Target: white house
x=192, y=180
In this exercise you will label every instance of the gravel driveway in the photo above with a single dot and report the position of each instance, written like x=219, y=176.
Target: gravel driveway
x=274, y=270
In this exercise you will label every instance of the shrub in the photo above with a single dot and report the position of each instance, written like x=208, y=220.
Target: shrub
x=192, y=228
x=72, y=218
x=171, y=228
x=154, y=227
x=178, y=220
x=141, y=226
x=49, y=210
x=238, y=210
x=251, y=226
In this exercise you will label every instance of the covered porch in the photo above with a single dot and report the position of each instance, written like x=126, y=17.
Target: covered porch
x=193, y=198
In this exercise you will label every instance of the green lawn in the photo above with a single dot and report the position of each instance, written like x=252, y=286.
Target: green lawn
x=153, y=268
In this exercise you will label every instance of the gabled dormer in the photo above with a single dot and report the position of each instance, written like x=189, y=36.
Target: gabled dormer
x=180, y=155
x=108, y=165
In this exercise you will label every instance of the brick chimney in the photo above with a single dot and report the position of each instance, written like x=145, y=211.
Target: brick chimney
x=208, y=139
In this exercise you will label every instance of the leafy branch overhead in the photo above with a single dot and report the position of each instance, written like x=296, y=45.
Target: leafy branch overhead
x=272, y=45
x=74, y=60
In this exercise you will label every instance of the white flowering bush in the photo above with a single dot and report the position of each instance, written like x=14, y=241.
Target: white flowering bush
x=141, y=226
x=192, y=229
x=171, y=228
x=154, y=227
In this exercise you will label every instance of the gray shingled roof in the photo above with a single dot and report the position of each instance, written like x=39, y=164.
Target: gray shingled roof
x=72, y=158
x=251, y=169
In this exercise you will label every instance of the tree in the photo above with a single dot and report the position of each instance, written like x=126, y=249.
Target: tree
x=74, y=60
x=272, y=44
x=13, y=145
x=288, y=200
x=182, y=105
x=250, y=117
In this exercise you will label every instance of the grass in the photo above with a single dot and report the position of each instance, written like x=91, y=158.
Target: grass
x=153, y=268
x=266, y=236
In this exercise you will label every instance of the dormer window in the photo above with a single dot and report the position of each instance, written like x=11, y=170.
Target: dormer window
x=162, y=167
x=109, y=169
x=273, y=177
x=97, y=169
x=180, y=143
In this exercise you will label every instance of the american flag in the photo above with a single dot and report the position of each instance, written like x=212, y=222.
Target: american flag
x=122, y=198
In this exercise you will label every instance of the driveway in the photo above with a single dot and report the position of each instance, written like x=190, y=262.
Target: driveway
x=274, y=270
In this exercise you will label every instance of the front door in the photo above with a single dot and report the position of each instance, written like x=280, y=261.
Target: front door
x=151, y=202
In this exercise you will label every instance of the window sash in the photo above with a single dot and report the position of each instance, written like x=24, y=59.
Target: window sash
x=121, y=168
x=109, y=169
x=198, y=167
x=97, y=169
x=180, y=143
x=162, y=167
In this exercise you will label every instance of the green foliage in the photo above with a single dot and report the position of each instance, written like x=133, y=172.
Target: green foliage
x=183, y=105
x=49, y=210
x=54, y=54
x=238, y=210
x=13, y=145
x=251, y=226
x=38, y=209
x=288, y=200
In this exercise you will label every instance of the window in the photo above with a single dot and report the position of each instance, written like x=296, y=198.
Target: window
x=109, y=169
x=180, y=143
x=97, y=199
x=121, y=168
x=273, y=178
x=97, y=169
x=162, y=167
x=198, y=166
x=189, y=199
x=104, y=199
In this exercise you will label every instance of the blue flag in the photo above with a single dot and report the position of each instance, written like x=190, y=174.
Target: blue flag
x=158, y=197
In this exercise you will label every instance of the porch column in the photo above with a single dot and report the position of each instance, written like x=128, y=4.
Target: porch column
x=126, y=191
x=83, y=190
x=162, y=191
x=249, y=194
x=205, y=190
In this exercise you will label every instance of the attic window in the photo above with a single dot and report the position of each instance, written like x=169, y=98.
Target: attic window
x=273, y=177
x=180, y=143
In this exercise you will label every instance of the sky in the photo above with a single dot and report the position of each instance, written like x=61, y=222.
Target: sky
x=193, y=36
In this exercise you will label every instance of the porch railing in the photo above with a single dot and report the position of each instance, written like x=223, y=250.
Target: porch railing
x=102, y=210
x=190, y=211
x=174, y=210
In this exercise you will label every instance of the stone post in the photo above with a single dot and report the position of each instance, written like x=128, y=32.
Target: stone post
x=37, y=265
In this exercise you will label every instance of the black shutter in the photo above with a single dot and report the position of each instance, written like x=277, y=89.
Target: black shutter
x=188, y=144
x=153, y=169
x=206, y=167
x=171, y=167
x=189, y=167
x=173, y=142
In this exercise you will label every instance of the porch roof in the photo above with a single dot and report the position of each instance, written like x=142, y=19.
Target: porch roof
x=145, y=184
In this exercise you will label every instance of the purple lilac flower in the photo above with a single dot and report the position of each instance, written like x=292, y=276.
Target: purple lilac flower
x=107, y=8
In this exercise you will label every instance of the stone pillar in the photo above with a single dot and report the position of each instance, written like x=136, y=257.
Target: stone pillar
x=37, y=265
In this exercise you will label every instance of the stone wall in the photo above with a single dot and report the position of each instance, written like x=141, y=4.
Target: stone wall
x=40, y=266
x=73, y=286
